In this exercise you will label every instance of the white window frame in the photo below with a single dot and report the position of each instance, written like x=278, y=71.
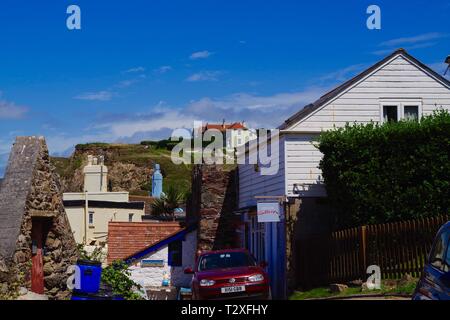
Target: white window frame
x=400, y=103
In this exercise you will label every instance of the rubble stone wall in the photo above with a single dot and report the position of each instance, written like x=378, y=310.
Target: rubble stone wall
x=43, y=201
x=214, y=196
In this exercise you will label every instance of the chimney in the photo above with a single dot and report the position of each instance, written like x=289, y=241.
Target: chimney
x=95, y=175
x=157, y=182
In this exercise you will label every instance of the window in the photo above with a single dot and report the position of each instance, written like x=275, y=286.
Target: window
x=390, y=113
x=176, y=254
x=91, y=217
x=130, y=217
x=394, y=110
x=226, y=260
x=411, y=113
x=437, y=256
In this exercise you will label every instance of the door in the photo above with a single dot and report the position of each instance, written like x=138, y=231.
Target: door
x=37, y=267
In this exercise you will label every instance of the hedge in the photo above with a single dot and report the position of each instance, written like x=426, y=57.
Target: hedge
x=391, y=172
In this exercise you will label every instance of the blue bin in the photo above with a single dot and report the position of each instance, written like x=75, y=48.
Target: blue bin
x=90, y=276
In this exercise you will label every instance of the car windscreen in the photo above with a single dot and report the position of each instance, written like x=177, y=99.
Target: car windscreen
x=225, y=261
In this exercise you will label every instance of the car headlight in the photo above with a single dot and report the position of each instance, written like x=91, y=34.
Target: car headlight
x=256, y=278
x=207, y=283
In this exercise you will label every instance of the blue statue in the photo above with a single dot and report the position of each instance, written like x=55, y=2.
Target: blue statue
x=157, y=182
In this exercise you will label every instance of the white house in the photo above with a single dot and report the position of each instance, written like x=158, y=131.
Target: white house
x=398, y=87
x=157, y=254
x=234, y=134
x=89, y=212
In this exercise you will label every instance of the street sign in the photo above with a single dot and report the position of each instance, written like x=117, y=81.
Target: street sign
x=269, y=212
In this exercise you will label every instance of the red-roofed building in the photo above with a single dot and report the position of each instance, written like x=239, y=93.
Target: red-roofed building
x=156, y=252
x=125, y=239
x=235, y=134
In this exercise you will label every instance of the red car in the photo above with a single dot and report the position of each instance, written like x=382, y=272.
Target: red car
x=229, y=274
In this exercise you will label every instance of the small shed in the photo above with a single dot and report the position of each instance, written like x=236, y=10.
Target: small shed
x=169, y=250
x=36, y=242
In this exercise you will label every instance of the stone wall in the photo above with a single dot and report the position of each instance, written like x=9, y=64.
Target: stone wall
x=43, y=200
x=214, y=200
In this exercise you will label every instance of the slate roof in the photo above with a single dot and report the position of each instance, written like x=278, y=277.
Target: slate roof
x=15, y=189
x=310, y=108
x=128, y=238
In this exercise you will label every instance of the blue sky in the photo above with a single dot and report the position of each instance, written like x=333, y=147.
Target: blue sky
x=138, y=68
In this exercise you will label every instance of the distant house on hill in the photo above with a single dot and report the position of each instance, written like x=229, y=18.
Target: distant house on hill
x=234, y=134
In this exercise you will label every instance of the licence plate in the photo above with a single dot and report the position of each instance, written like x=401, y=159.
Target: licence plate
x=233, y=289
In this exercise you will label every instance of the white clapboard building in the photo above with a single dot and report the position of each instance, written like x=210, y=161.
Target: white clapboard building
x=397, y=87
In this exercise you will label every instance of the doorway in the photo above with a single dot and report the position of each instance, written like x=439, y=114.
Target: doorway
x=38, y=236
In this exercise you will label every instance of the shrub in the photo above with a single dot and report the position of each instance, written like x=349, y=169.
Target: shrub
x=117, y=276
x=390, y=172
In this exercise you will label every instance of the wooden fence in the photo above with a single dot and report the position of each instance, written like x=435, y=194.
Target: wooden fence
x=397, y=248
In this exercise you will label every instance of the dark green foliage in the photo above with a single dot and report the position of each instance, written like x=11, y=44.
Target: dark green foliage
x=166, y=144
x=391, y=172
x=118, y=277
x=172, y=199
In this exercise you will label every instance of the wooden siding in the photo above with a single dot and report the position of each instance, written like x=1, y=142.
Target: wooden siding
x=302, y=166
x=252, y=183
x=398, y=80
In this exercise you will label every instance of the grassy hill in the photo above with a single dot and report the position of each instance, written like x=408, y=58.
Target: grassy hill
x=129, y=167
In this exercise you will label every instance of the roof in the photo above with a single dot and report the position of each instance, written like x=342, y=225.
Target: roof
x=225, y=126
x=105, y=204
x=127, y=238
x=16, y=186
x=147, y=201
x=310, y=108
x=177, y=236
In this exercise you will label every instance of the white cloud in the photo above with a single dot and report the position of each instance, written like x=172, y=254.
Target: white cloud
x=425, y=40
x=172, y=120
x=414, y=39
x=267, y=111
x=163, y=69
x=135, y=70
x=200, y=55
x=9, y=110
x=104, y=95
x=345, y=73
x=204, y=76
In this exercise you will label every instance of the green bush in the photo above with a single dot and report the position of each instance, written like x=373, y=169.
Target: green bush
x=390, y=172
x=117, y=276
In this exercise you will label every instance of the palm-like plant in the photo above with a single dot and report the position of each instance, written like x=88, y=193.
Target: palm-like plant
x=169, y=201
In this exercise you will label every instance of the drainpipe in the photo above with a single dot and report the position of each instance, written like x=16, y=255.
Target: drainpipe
x=86, y=212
